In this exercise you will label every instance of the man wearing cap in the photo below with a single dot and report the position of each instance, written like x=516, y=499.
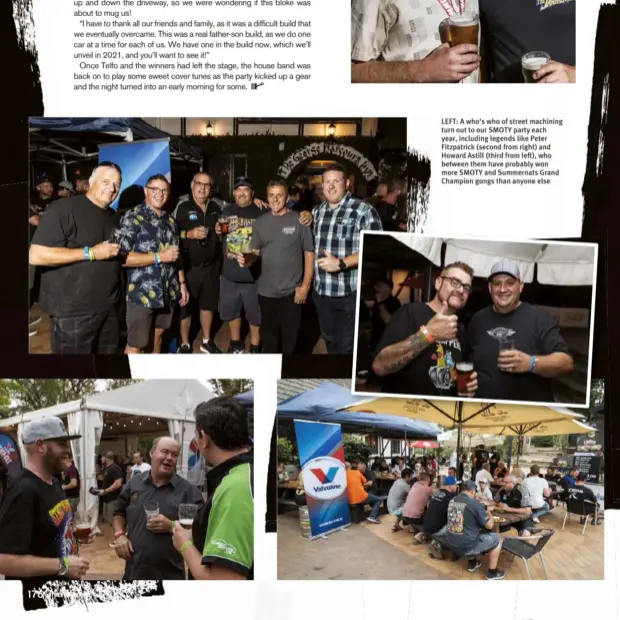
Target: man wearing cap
x=436, y=515
x=421, y=345
x=65, y=189
x=149, y=241
x=80, y=283
x=36, y=535
x=580, y=492
x=468, y=532
x=516, y=348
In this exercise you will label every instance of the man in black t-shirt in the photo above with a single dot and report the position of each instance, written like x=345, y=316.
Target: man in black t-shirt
x=511, y=28
x=382, y=310
x=515, y=348
x=494, y=459
x=581, y=492
x=112, y=483
x=386, y=207
x=71, y=483
x=478, y=459
x=436, y=515
x=422, y=344
x=80, y=283
x=513, y=497
x=36, y=534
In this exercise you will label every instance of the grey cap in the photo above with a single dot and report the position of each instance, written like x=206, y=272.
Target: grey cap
x=468, y=485
x=506, y=266
x=66, y=185
x=45, y=429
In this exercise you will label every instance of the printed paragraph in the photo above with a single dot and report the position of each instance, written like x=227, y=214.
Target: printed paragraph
x=117, y=48
x=502, y=151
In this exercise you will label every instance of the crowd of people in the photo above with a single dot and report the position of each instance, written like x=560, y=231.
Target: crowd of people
x=39, y=522
x=153, y=269
x=510, y=350
x=401, y=41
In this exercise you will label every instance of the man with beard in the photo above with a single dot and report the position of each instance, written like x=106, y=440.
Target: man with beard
x=287, y=265
x=80, y=282
x=36, y=536
x=512, y=28
x=338, y=225
x=221, y=542
x=146, y=544
x=422, y=343
x=149, y=241
x=197, y=217
x=516, y=348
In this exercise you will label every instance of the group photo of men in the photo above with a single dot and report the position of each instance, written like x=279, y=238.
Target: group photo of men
x=466, y=41
x=274, y=269
x=495, y=321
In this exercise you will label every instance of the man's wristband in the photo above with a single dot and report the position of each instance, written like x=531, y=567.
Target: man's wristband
x=183, y=234
x=532, y=363
x=185, y=545
x=424, y=331
x=86, y=253
x=118, y=535
x=156, y=258
x=172, y=526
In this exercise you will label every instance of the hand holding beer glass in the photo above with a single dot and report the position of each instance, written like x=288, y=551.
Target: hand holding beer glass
x=531, y=63
x=509, y=359
x=187, y=514
x=464, y=29
x=466, y=379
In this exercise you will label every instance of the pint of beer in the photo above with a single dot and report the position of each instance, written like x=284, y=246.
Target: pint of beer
x=532, y=62
x=187, y=514
x=444, y=31
x=464, y=371
x=464, y=29
x=186, y=523
x=82, y=532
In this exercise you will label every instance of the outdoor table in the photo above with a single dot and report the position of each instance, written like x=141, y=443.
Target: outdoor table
x=509, y=519
x=286, y=493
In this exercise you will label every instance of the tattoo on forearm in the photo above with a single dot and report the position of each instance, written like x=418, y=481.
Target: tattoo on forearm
x=398, y=355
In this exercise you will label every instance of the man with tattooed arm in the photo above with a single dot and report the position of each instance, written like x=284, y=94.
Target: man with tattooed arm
x=422, y=342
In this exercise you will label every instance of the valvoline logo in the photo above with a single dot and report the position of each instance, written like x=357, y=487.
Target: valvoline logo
x=324, y=478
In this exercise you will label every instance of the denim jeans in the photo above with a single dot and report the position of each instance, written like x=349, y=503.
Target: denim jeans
x=537, y=512
x=337, y=321
x=375, y=502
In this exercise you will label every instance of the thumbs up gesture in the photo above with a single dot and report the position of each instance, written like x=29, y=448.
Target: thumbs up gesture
x=443, y=325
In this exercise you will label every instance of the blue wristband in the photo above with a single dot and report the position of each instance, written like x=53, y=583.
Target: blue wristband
x=86, y=255
x=156, y=259
x=532, y=363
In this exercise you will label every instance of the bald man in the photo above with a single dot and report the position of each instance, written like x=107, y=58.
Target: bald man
x=146, y=545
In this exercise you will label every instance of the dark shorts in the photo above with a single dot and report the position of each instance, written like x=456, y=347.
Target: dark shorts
x=237, y=295
x=203, y=284
x=95, y=333
x=140, y=323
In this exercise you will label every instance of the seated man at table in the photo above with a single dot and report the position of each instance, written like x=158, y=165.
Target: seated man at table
x=484, y=494
x=357, y=494
x=484, y=474
x=282, y=475
x=436, y=515
x=568, y=481
x=552, y=475
x=417, y=499
x=452, y=471
x=581, y=492
x=468, y=532
x=514, y=498
x=397, y=497
x=539, y=491
x=400, y=465
x=501, y=471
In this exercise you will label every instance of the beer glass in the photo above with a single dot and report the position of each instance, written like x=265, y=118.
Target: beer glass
x=506, y=343
x=464, y=371
x=187, y=514
x=151, y=509
x=247, y=252
x=203, y=242
x=464, y=29
x=223, y=226
x=444, y=31
x=532, y=62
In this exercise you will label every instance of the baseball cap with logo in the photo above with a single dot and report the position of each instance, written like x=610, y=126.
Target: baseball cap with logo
x=243, y=182
x=449, y=481
x=45, y=429
x=506, y=266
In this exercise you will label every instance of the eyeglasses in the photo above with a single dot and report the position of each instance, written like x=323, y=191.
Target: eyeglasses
x=157, y=191
x=455, y=283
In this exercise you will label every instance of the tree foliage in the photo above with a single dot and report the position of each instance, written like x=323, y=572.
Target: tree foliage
x=231, y=387
x=286, y=451
x=355, y=448
x=542, y=442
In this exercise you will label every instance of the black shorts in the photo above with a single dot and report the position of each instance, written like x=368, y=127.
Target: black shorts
x=203, y=284
x=237, y=295
x=140, y=322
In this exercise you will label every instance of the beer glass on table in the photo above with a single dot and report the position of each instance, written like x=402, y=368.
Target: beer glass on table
x=187, y=514
x=532, y=62
x=464, y=371
x=464, y=29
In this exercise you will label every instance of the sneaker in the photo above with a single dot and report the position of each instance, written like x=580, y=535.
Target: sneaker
x=536, y=520
x=236, y=346
x=373, y=520
x=255, y=349
x=435, y=550
x=473, y=565
x=184, y=348
x=208, y=346
x=495, y=575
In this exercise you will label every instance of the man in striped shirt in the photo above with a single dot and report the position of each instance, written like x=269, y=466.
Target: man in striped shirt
x=337, y=225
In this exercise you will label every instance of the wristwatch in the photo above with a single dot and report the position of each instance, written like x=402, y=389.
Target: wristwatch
x=63, y=569
x=342, y=265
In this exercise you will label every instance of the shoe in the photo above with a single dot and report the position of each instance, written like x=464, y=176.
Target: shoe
x=32, y=332
x=184, y=348
x=435, y=551
x=236, y=346
x=255, y=349
x=495, y=575
x=536, y=520
x=208, y=346
x=373, y=520
x=473, y=565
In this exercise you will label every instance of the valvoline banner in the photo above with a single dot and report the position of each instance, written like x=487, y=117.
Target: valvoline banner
x=138, y=161
x=321, y=456
x=10, y=455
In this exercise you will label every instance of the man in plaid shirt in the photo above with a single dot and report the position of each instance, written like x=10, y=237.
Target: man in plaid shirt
x=338, y=223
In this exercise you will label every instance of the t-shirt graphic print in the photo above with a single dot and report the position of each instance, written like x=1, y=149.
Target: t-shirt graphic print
x=443, y=372
x=62, y=518
x=456, y=517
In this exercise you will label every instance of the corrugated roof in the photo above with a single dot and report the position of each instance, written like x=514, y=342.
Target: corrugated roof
x=291, y=387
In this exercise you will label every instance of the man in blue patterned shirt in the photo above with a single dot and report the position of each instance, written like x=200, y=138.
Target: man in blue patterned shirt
x=337, y=224
x=149, y=241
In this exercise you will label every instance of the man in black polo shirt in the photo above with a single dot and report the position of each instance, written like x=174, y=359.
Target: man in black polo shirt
x=221, y=543
x=421, y=344
x=197, y=217
x=513, y=497
x=80, y=283
x=112, y=482
x=146, y=544
x=512, y=28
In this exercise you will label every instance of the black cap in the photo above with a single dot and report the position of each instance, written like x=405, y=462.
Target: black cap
x=243, y=182
x=582, y=477
x=43, y=178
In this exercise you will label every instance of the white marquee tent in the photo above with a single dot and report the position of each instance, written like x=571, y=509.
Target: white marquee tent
x=173, y=400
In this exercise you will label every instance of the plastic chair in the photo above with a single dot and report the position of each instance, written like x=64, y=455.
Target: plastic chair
x=578, y=506
x=521, y=547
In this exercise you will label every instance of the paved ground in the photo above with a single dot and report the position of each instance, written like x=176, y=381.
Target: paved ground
x=352, y=554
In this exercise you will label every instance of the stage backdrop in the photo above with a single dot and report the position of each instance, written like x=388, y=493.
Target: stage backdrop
x=321, y=456
x=138, y=161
